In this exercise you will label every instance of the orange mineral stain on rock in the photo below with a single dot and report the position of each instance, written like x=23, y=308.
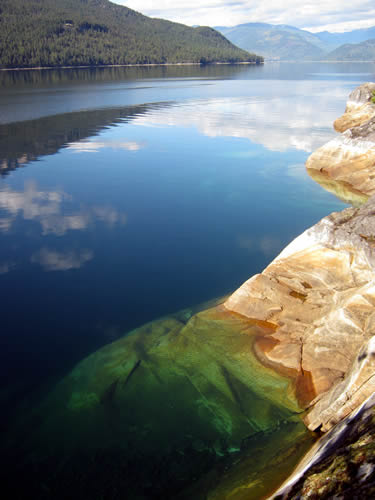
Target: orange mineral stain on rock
x=305, y=389
x=320, y=294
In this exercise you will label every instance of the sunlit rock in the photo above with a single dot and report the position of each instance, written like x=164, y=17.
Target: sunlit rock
x=359, y=108
x=349, y=159
x=346, y=164
x=318, y=295
x=347, y=395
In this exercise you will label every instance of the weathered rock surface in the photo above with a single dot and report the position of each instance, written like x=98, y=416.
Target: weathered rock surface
x=348, y=160
x=318, y=295
x=347, y=395
x=341, y=464
x=359, y=108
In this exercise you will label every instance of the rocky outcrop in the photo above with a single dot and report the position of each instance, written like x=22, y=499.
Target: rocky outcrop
x=346, y=396
x=347, y=162
x=318, y=297
x=341, y=464
x=359, y=108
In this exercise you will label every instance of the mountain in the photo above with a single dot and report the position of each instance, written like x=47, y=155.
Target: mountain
x=285, y=42
x=276, y=41
x=334, y=40
x=364, y=51
x=97, y=32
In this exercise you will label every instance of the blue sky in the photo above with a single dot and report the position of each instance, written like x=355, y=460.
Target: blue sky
x=314, y=15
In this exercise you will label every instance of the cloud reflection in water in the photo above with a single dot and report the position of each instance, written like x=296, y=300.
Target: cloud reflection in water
x=268, y=245
x=52, y=260
x=45, y=207
x=270, y=121
x=5, y=267
x=94, y=146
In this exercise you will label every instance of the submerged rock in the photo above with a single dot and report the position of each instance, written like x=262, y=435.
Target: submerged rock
x=346, y=164
x=173, y=399
x=169, y=382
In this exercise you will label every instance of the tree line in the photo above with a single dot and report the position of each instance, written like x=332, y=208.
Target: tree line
x=43, y=33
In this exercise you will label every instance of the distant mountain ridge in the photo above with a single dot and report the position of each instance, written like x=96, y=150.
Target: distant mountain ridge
x=283, y=42
x=334, y=40
x=98, y=32
x=364, y=51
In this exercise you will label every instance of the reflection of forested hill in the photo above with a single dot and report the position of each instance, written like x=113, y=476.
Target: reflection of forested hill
x=76, y=76
x=27, y=141
x=97, y=32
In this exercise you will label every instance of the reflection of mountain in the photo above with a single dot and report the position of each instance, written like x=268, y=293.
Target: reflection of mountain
x=83, y=76
x=27, y=141
x=272, y=122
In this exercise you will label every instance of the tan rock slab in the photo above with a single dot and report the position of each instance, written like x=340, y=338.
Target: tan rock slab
x=319, y=295
x=359, y=108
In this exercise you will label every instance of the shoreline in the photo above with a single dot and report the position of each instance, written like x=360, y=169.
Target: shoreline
x=152, y=65
x=39, y=68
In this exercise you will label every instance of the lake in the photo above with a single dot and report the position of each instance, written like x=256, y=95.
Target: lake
x=127, y=194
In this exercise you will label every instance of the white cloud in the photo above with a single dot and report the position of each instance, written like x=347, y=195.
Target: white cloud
x=339, y=15
x=46, y=208
x=52, y=260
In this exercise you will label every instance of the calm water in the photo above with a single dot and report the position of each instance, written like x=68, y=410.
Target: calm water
x=127, y=194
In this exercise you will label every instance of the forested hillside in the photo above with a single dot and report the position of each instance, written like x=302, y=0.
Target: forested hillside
x=364, y=51
x=97, y=32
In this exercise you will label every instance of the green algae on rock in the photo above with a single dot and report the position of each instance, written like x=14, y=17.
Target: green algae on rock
x=257, y=469
x=169, y=382
x=175, y=385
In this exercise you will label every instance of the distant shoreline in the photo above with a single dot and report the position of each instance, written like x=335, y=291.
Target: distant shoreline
x=308, y=61
x=152, y=65
x=132, y=65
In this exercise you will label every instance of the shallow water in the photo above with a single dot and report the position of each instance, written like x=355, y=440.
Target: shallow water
x=128, y=194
